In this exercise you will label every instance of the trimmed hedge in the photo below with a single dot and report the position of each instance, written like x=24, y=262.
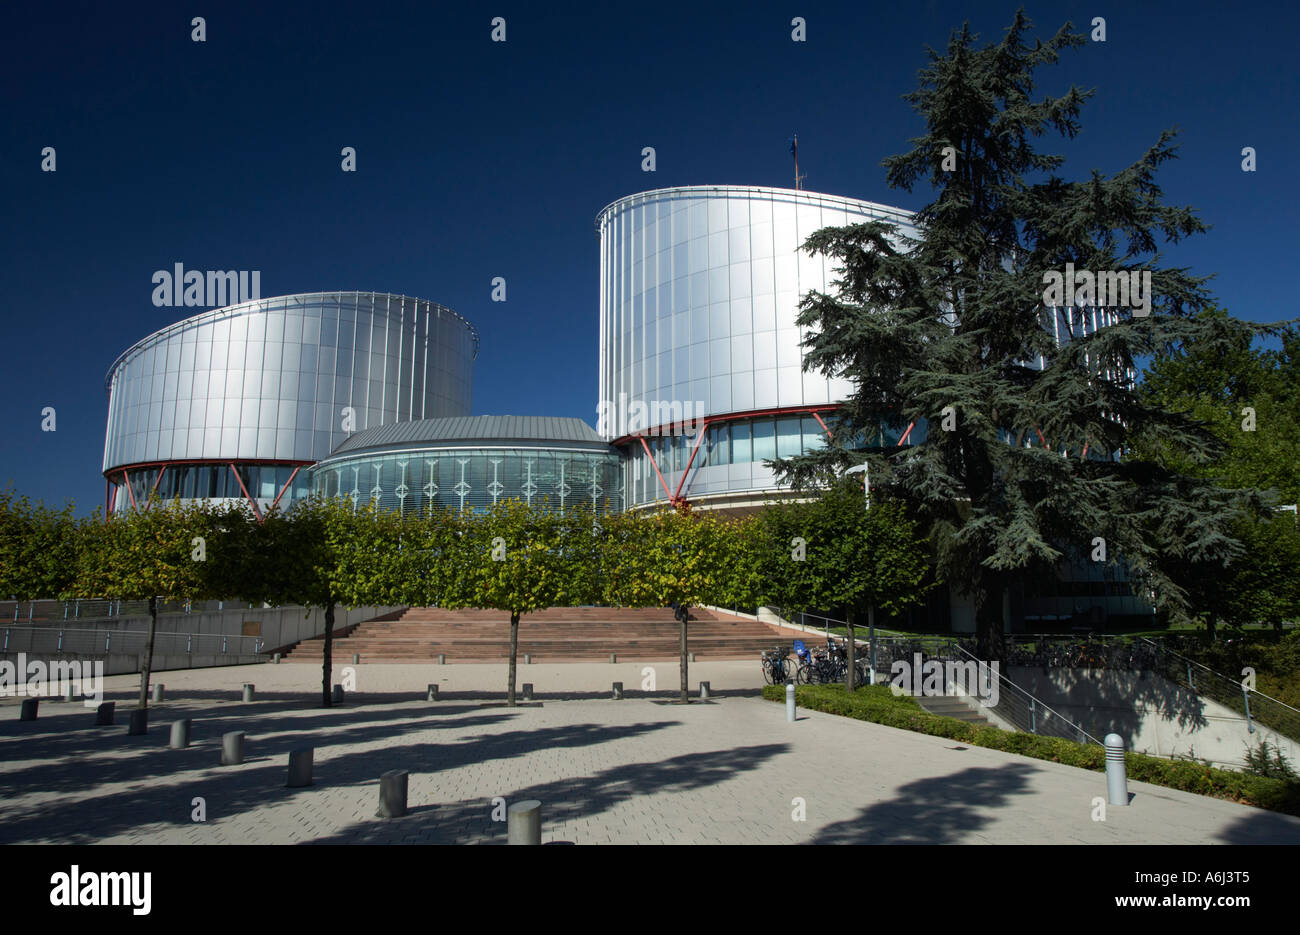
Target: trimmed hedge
x=879, y=705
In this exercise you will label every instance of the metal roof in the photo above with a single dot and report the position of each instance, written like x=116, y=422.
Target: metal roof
x=480, y=431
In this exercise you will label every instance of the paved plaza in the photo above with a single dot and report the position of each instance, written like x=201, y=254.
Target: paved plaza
x=641, y=770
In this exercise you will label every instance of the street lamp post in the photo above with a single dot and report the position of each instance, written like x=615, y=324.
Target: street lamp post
x=865, y=470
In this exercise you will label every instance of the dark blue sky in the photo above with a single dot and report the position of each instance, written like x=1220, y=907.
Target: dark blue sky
x=479, y=159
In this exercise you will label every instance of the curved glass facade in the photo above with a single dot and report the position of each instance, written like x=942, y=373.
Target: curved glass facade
x=421, y=479
x=277, y=383
x=699, y=296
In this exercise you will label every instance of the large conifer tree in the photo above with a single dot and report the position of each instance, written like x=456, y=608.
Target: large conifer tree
x=1027, y=466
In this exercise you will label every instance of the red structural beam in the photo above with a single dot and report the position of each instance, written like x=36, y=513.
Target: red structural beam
x=256, y=511
x=152, y=490
x=284, y=488
x=659, y=430
x=126, y=479
x=662, y=483
x=699, y=436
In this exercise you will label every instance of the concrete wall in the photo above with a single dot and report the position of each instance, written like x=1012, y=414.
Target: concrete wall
x=202, y=633
x=1151, y=713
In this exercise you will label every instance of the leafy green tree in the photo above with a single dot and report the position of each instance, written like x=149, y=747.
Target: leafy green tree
x=519, y=559
x=667, y=558
x=311, y=558
x=1022, y=461
x=1245, y=395
x=142, y=555
x=37, y=549
x=833, y=552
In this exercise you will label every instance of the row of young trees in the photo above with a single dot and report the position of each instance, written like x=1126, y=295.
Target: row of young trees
x=828, y=552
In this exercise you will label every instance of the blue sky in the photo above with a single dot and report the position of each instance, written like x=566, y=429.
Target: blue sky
x=479, y=159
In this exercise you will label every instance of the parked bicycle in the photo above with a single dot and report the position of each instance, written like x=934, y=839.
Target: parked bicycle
x=778, y=668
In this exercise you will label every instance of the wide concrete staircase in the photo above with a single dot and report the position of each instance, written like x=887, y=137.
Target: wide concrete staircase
x=557, y=634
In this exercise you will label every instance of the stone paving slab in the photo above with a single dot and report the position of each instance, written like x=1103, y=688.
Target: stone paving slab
x=631, y=771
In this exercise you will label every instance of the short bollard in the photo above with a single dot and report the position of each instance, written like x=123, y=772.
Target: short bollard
x=180, y=734
x=356, y=659
x=618, y=691
x=69, y=693
x=158, y=693
x=442, y=659
x=232, y=748
x=392, y=794
x=139, y=722
x=528, y=691
x=1116, y=776
x=692, y=657
x=524, y=822
x=104, y=714
x=789, y=702
x=276, y=658
x=28, y=713
x=704, y=689
x=433, y=693
x=337, y=697
x=300, y=768
x=528, y=659
x=248, y=691
x=613, y=657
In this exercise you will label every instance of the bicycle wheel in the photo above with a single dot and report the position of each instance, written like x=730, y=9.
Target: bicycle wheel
x=803, y=675
x=767, y=672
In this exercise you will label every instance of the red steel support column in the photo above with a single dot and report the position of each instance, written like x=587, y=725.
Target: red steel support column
x=256, y=512
x=156, y=481
x=285, y=487
x=911, y=425
x=126, y=479
x=662, y=483
x=689, y=461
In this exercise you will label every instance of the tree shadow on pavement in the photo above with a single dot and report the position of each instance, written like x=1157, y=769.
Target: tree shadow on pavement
x=1262, y=828
x=260, y=781
x=936, y=810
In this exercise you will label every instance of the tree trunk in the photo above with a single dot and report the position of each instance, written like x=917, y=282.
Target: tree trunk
x=1212, y=626
x=852, y=651
x=686, y=689
x=514, y=647
x=988, y=620
x=148, y=653
x=328, y=655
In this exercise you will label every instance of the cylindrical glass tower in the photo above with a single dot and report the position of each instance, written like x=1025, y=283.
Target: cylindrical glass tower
x=699, y=295
x=233, y=402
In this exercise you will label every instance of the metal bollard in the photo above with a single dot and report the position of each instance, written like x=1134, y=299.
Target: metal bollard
x=789, y=701
x=337, y=696
x=618, y=691
x=392, y=794
x=613, y=658
x=1116, y=776
x=232, y=748
x=180, y=738
x=158, y=693
x=104, y=714
x=248, y=691
x=276, y=658
x=433, y=693
x=442, y=659
x=704, y=689
x=356, y=659
x=528, y=659
x=692, y=657
x=69, y=693
x=28, y=713
x=528, y=691
x=300, y=768
x=524, y=822
x=139, y=722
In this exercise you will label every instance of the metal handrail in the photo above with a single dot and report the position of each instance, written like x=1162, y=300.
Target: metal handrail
x=1030, y=724
x=91, y=641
